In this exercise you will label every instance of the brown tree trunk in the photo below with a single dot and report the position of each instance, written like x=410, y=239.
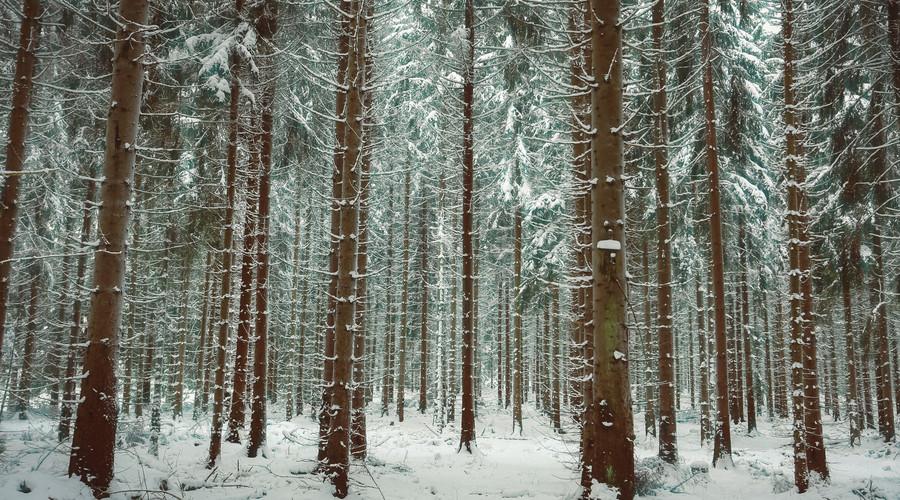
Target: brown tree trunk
x=237, y=413
x=387, y=380
x=668, y=449
x=613, y=459
x=722, y=448
x=93, y=443
x=763, y=305
x=853, y=406
x=518, y=387
x=181, y=332
x=234, y=68
x=28, y=351
x=404, y=308
x=423, y=337
x=880, y=180
x=705, y=423
x=745, y=330
x=56, y=355
x=200, y=374
x=26, y=61
x=500, y=343
x=649, y=386
x=360, y=385
x=555, y=372
x=467, y=435
x=266, y=27
x=340, y=125
x=338, y=452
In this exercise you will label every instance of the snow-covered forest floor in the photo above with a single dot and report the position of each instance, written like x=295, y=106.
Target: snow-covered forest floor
x=413, y=460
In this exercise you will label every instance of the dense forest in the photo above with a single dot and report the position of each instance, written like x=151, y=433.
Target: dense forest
x=582, y=249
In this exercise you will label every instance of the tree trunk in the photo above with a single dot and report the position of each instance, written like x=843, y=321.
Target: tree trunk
x=387, y=381
x=234, y=68
x=93, y=443
x=745, y=329
x=338, y=452
x=668, y=449
x=613, y=460
x=722, y=448
x=340, y=125
x=26, y=61
x=28, y=352
x=200, y=374
x=649, y=394
x=404, y=308
x=423, y=337
x=518, y=387
x=467, y=435
x=360, y=385
x=705, y=423
x=237, y=414
x=266, y=27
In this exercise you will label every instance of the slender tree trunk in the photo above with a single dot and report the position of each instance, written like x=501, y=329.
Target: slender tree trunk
x=500, y=343
x=668, y=448
x=555, y=372
x=882, y=190
x=387, y=381
x=234, y=68
x=178, y=399
x=722, y=448
x=200, y=374
x=360, y=385
x=423, y=337
x=93, y=443
x=404, y=308
x=518, y=387
x=338, y=452
x=343, y=46
x=853, y=406
x=266, y=27
x=56, y=354
x=26, y=61
x=705, y=423
x=649, y=393
x=745, y=329
x=467, y=436
x=28, y=351
x=237, y=414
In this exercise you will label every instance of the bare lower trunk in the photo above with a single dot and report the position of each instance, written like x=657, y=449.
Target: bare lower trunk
x=467, y=437
x=613, y=454
x=93, y=443
x=722, y=448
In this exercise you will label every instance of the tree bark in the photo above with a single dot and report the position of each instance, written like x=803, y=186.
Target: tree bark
x=266, y=28
x=668, y=448
x=234, y=67
x=722, y=447
x=613, y=460
x=404, y=308
x=467, y=435
x=26, y=61
x=340, y=125
x=423, y=337
x=338, y=446
x=93, y=443
x=237, y=413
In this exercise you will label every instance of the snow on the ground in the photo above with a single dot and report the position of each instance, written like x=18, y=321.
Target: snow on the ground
x=414, y=460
